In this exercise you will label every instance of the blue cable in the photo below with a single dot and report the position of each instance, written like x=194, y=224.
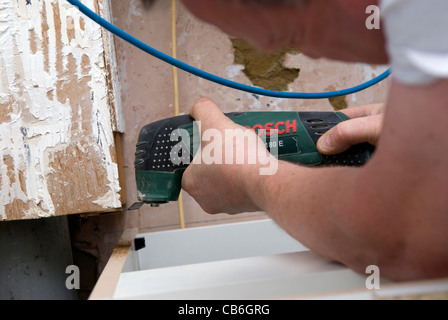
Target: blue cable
x=208, y=76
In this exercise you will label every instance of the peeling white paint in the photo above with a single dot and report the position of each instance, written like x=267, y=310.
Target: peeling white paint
x=111, y=199
x=234, y=70
x=182, y=38
x=372, y=71
x=133, y=11
x=256, y=105
x=38, y=124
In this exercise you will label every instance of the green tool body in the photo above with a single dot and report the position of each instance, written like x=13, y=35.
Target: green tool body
x=165, y=148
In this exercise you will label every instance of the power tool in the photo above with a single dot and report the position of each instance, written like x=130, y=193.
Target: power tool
x=166, y=147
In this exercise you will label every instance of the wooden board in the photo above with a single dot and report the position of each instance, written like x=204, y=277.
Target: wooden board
x=59, y=109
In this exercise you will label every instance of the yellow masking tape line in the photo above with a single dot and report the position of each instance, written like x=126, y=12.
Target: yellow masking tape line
x=176, y=94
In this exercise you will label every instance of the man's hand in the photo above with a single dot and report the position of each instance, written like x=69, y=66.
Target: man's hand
x=365, y=126
x=222, y=187
x=391, y=212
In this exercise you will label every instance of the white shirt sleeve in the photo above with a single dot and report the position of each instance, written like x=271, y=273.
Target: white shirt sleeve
x=417, y=36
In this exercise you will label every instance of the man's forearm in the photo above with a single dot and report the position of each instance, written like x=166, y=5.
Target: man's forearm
x=317, y=206
x=393, y=211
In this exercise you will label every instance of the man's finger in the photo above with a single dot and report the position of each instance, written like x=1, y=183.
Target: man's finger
x=364, y=111
x=206, y=111
x=349, y=133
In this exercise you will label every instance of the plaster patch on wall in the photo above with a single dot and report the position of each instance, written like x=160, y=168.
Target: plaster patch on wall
x=54, y=95
x=339, y=103
x=265, y=70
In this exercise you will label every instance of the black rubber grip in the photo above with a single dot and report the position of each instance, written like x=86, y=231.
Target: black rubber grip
x=318, y=123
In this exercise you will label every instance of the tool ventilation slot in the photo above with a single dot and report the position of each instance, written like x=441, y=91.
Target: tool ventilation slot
x=156, y=151
x=318, y=123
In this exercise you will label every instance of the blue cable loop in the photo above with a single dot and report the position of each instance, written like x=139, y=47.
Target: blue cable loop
x=211, y=77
